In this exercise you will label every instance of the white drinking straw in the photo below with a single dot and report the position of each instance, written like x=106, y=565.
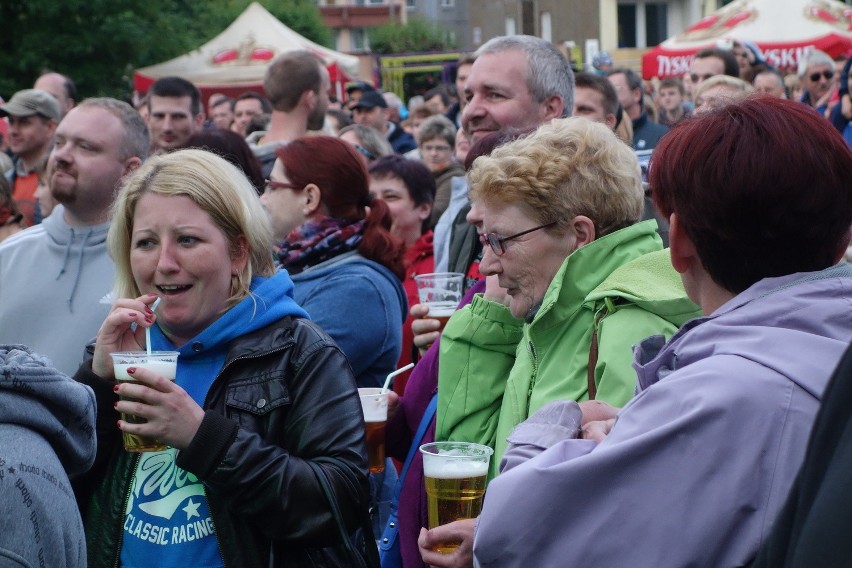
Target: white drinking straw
x=395, y=373
x=148, y=329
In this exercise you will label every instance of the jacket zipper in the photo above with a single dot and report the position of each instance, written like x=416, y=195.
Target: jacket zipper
x=533, y=377
x=123, y=512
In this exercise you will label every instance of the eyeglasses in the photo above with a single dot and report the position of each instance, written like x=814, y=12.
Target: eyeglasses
x=498, y=243
x=366, y=152
x=272, y=185
x=437, y=148
x=697, y=78
x=828, y=74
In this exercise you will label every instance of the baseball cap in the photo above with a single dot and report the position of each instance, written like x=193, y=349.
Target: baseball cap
x=358, y=86
x=29, y=102
x=370, y=100
x=601, y=58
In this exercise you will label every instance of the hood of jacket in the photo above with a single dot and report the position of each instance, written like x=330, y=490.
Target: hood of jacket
x=39, y=398
x=201, y=358
x=649, y=282
x=809, y=310
x=353, y=259
x=587, y=267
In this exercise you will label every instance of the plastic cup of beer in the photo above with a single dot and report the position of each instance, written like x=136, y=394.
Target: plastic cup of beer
x=442, y=292
x=374, y=403
x=455, y=475
x=161, y=362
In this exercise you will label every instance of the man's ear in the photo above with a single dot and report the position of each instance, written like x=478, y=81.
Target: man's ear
x=308, y=100
x=554, y=106
x=130, y=165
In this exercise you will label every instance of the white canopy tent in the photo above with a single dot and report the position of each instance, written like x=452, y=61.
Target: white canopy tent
x=235, y=61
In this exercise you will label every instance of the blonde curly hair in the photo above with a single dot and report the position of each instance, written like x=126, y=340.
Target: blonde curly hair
x=568, y=167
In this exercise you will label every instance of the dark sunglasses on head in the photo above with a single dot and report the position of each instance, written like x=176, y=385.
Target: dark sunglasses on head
x=827, y=74
x=366, y=152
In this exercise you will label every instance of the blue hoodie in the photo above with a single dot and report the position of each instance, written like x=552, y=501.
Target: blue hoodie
x=167, y=516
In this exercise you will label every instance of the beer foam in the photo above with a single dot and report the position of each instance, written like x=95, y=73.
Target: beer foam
x=442, y=309
x=164, y=368
x=459, y=467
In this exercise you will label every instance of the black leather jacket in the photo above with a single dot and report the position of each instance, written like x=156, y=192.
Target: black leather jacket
x=285, y=394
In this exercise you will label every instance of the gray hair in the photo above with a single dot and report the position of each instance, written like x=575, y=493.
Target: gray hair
x=549, y=71
x=371, y=139
x=437, y=126
x=135, y=141
x=814, y=57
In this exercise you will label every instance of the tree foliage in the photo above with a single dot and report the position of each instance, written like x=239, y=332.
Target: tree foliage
x=417, y=35
x=100, y=42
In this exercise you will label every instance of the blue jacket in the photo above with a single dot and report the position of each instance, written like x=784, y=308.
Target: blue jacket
x=362, y=306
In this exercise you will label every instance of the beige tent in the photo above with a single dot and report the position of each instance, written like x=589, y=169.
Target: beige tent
x=235, y=61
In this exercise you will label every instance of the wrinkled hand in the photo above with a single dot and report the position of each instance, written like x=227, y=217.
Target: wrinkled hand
x=594, y=410
x=426, y=330
x=494, y=292
x=173, y=417
x=597, y=430
x=460, y=532
x=116, y=333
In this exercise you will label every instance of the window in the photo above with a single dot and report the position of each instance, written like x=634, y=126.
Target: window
x=358, y=39
x=410, y=4
x=656, y=23
x=448, y=3
x=642, y=23
x=369, y=2
x=528, y=17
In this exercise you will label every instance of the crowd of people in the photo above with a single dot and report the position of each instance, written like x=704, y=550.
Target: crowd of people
x=653, y=339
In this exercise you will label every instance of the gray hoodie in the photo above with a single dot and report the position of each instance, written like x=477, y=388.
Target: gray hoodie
x=52, y=279
x=47, y=423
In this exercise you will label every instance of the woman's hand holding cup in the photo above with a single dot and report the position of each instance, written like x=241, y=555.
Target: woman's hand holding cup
x=117, y=333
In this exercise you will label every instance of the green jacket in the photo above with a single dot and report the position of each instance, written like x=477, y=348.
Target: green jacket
x=495, y=370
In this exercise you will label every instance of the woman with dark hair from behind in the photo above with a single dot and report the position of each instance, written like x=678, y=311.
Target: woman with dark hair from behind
x=232, y=147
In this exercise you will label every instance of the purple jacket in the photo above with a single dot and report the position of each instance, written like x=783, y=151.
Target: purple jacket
x=422, y=384
x=700, y=461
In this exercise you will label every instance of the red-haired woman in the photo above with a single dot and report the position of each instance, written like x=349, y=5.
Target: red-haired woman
x=337, y=246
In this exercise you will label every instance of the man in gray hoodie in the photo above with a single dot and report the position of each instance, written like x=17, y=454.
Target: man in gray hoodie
x=55, y=278
x=47, y=423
